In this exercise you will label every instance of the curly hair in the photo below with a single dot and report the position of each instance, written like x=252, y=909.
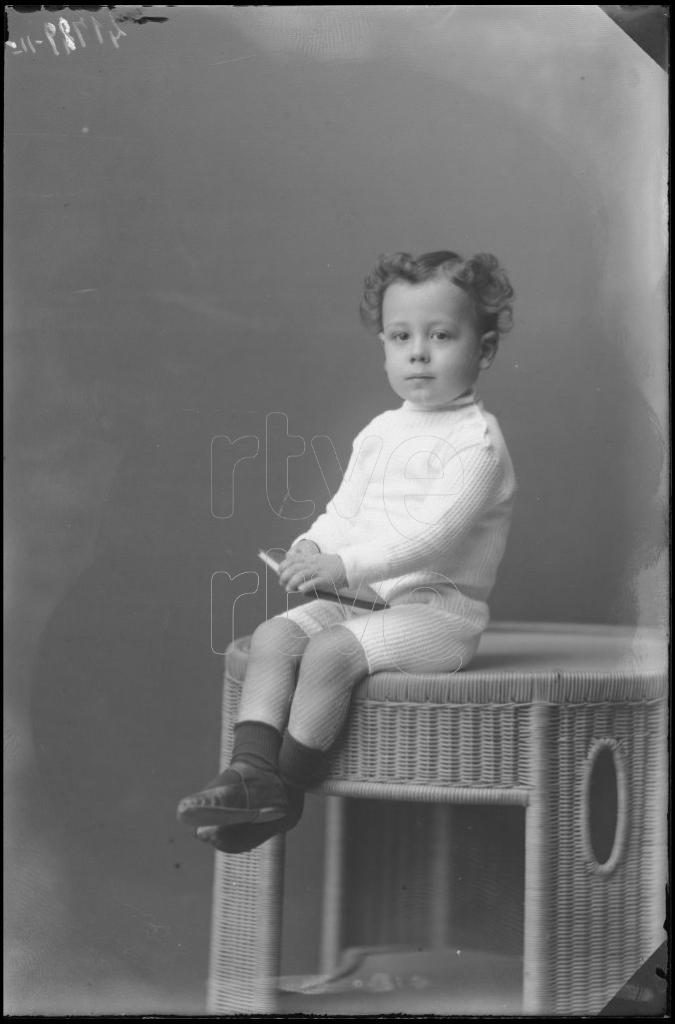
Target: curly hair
x=480, y=276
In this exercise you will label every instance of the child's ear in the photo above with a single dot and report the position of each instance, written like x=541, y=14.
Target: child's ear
x=489, y=343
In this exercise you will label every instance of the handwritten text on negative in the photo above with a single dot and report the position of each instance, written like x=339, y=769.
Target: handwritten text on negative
x=64, y=36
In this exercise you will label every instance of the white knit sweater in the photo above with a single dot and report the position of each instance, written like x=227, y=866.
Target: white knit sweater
x=424, y=509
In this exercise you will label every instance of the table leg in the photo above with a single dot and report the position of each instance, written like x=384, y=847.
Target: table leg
x=333, y=886
x=539, y=863
x=246, y=930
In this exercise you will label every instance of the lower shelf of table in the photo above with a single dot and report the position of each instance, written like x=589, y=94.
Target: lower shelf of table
x=404, y=980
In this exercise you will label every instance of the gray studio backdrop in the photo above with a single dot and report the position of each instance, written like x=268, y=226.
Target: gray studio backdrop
x=191, y=207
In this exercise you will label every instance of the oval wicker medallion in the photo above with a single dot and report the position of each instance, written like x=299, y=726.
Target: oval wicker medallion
x=604, y=806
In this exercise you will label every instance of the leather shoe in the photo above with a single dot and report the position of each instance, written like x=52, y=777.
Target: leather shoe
x=243, y=838
x=245, y=795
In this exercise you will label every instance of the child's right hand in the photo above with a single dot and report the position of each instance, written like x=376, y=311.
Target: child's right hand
x=303, y=547
x=295, y=555
x=312, y=570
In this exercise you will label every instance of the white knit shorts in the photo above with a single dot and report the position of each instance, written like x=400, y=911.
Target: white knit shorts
x=411, y=638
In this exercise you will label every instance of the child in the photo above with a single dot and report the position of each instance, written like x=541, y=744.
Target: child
x=421, y=517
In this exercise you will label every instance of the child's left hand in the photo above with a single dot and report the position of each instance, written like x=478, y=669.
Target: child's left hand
x=305, y=571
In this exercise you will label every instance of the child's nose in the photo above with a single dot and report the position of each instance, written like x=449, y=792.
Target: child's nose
x=419, y=349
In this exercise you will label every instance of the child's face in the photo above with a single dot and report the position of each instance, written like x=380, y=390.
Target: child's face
x=433, y=347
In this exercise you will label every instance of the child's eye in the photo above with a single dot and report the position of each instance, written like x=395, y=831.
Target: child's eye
x=441, y=335
x=399, y=336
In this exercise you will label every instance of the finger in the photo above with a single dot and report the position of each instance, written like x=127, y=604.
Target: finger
x=293, y=570
x=318, y=582
x=296, y=556
x=302, y=577
x=287, y=580
x=289, y=560
x=298, y=579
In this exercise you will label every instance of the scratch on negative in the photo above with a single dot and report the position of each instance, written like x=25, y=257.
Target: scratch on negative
x=155, y=67
x=230, y=60
x=68, y=135
x=284, y=502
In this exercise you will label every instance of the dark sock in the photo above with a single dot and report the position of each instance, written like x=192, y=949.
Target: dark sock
x=255, y=743
x=302, y=766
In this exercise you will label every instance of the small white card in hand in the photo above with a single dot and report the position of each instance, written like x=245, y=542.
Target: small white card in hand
x=364, y=597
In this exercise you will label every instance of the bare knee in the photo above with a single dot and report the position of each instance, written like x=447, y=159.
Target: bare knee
x=335, y=650
x=278, y=636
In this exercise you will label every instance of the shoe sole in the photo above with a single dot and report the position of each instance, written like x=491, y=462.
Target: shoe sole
x=195, y=815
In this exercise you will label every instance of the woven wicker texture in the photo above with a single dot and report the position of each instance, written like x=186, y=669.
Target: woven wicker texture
x=603, y=924
x=246, y=925
x=520, y=728
x=246, y=920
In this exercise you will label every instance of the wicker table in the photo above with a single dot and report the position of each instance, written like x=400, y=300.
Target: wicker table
x=543, y=717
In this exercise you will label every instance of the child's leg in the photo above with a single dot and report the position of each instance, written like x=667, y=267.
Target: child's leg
x=276, y=649
x=406, y=638
x=410, y=639
x=259, y=794
x=333, y=663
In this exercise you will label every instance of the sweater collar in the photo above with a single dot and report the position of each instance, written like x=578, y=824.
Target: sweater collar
x=457, y=403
